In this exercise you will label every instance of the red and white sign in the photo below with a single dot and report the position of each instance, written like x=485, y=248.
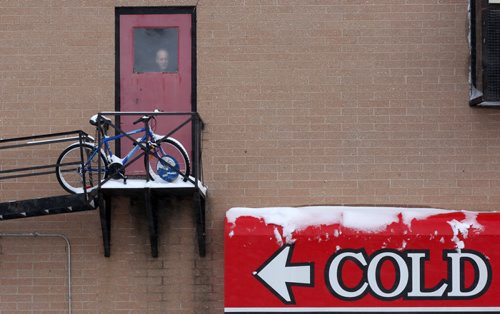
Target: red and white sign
x=361, y=259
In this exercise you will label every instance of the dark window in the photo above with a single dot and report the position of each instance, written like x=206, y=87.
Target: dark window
x=484, y=52
x=491, y=54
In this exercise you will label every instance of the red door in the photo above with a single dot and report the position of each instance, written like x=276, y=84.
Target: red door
x=155, y=71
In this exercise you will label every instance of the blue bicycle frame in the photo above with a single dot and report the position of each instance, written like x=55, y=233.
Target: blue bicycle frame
x=105, y=142
x=106, y=139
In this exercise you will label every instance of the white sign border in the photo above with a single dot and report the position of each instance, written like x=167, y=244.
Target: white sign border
x=361, y=309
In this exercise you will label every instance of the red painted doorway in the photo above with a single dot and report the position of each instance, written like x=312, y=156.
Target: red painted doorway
x=155, y=68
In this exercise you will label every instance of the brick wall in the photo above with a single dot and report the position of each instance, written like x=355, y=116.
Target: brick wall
x=305, y=102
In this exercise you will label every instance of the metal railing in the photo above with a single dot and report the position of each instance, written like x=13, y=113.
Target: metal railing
x=192, y=119
x=35, y=140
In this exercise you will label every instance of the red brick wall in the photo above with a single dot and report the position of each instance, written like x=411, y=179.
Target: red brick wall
x=305, y=102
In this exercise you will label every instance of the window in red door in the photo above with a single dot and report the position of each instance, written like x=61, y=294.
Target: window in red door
x=155, y=50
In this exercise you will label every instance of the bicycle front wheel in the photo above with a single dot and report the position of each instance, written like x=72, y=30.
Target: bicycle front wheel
x=69, y=171
x=169, y=162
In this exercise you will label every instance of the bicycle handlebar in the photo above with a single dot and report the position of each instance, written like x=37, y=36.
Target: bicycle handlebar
x=142, y=119
x=145, y=118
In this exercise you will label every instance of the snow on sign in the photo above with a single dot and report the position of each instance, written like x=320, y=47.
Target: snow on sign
x=327, y=259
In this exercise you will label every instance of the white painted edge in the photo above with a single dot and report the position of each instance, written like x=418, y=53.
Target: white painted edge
x=362, y=309
x=138, y=183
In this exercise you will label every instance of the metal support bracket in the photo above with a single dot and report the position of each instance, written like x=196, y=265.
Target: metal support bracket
x=151, y=196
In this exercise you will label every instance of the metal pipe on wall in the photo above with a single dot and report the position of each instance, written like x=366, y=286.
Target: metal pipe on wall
x=48, y=235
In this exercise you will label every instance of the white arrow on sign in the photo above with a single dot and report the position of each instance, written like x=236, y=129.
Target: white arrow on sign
x=279, y=275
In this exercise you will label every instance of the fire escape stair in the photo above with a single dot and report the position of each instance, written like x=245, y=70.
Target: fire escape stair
x=45, y=206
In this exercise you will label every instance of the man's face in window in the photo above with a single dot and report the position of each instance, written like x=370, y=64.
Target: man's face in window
x=162, y=59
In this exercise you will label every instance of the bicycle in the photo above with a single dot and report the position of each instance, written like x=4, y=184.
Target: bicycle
x=165, y=159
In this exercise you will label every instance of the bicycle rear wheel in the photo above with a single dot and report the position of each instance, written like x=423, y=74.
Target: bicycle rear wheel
x=169, y=162
x=69, y=170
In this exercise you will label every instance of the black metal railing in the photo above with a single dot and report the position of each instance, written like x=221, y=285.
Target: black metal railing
x=35, y=140
x=192, y=119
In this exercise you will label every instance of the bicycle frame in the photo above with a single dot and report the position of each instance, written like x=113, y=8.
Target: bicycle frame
x=109, y=153
x=106, y=139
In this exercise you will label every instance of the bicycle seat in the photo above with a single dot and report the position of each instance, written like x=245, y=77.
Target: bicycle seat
x=104, y=120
